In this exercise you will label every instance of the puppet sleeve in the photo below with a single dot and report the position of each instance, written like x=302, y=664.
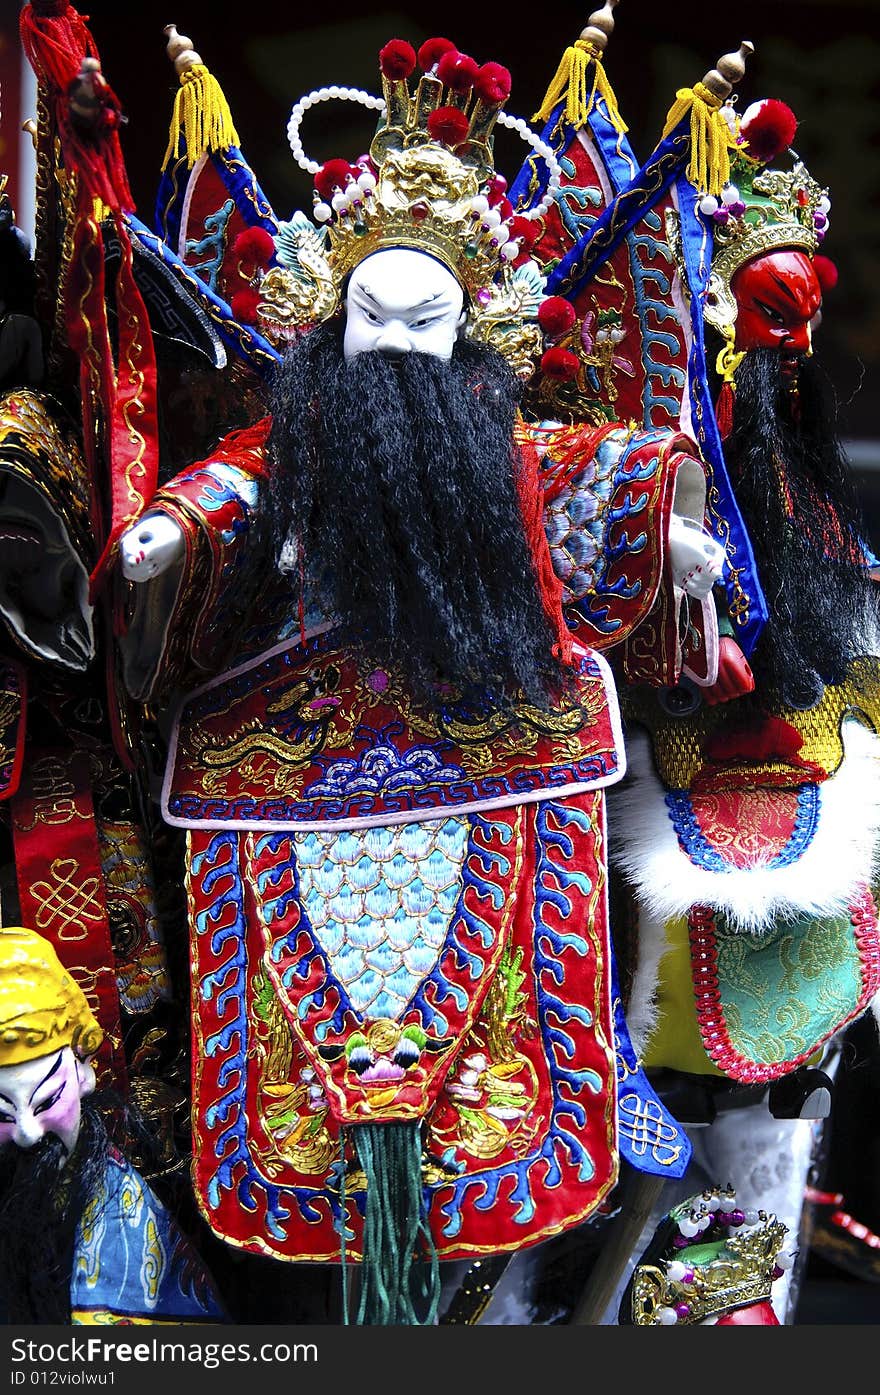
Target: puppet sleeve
x=609, y=494
x=184, y=624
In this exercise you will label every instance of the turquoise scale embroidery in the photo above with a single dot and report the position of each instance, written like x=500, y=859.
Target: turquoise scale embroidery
x=380, y=902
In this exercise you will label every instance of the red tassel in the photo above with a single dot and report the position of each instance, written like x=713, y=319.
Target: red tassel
x=724, y=410
x=121, y=394
x=531, y=502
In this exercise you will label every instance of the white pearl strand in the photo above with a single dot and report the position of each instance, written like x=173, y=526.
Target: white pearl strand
x=366, y=99
x=524, y=130
x=340, y=202
x=323, y=94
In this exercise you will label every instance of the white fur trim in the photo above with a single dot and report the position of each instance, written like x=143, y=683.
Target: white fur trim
x=642, y=1014
x=842, y=856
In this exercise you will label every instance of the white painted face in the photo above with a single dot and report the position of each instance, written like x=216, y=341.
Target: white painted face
x=43, y=1096
x=400, y=302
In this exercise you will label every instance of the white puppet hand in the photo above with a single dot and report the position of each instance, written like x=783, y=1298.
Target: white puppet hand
x=696, y=558
x=150, y=547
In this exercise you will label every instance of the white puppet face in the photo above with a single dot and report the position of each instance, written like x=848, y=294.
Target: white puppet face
x=43, y=1096
x=400, y=301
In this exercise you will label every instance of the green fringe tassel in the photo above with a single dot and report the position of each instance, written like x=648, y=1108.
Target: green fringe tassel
x=400, y=1272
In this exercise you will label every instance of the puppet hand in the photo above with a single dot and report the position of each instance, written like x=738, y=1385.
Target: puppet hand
x=695, y=557
x=735, y=678
x=150, y=547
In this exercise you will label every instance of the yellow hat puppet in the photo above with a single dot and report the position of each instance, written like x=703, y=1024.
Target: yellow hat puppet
x=42, y=1009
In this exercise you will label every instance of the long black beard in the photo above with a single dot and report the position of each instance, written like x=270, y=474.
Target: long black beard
x=796, y=494
x=42, y=1198
x=397, y=480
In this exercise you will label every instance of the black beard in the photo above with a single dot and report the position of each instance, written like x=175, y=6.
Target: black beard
x=42, y=1198
x=792, y=483
x=397, y=480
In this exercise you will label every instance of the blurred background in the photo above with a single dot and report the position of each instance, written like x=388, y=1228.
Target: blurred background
x=822, y=58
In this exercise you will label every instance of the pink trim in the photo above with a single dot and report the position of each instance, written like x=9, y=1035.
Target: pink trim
x=710, y=640
x=408, y=816
x=710, y=1014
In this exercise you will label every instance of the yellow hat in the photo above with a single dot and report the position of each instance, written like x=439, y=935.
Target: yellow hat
x=41, y=1007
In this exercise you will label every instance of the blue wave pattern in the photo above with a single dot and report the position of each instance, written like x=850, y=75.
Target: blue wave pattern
x=612, y=149
x=275, y=905
x=382, y=769
x=514, y=1181
x=212, y=246
x=222, y=484
x=654, y=307
x=224, y=921
x=485, y=870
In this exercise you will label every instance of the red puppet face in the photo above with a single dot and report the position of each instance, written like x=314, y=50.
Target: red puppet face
x=777, y=296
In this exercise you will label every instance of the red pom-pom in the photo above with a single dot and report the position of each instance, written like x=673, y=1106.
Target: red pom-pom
x=496, y=189
x=767, y=129
x=555, y=316
x=448, y=125
x=826, y=272
x=492, y=84
x=431, y=51
x=559, y=363
x=457, y=71
x=525, y=230
x=254, y=245
x=332, y=176
x=244, y=305
x=397, y=59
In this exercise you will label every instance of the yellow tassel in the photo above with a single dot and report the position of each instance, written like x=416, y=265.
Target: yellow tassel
x=711, y=138
x=729, y=360
x=570, y=82
x=201, y=115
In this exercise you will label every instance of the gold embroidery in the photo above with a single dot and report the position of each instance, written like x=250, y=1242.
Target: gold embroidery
x=67, y=900
x=679, y=744
x=292, y=1112
x=494, y=1089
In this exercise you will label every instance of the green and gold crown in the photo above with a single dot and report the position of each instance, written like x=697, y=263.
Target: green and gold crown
x=718, y=1258
x=762, y=209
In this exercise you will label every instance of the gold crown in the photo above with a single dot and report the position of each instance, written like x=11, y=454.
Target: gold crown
x=41, y=1007
x=426, y=197
x=428, y=189
x=713, y=1277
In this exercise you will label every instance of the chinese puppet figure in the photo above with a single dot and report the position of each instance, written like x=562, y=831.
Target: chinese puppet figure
x=749, y=829
x=745, y=837
x=83, y=1240
x=394, y=801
